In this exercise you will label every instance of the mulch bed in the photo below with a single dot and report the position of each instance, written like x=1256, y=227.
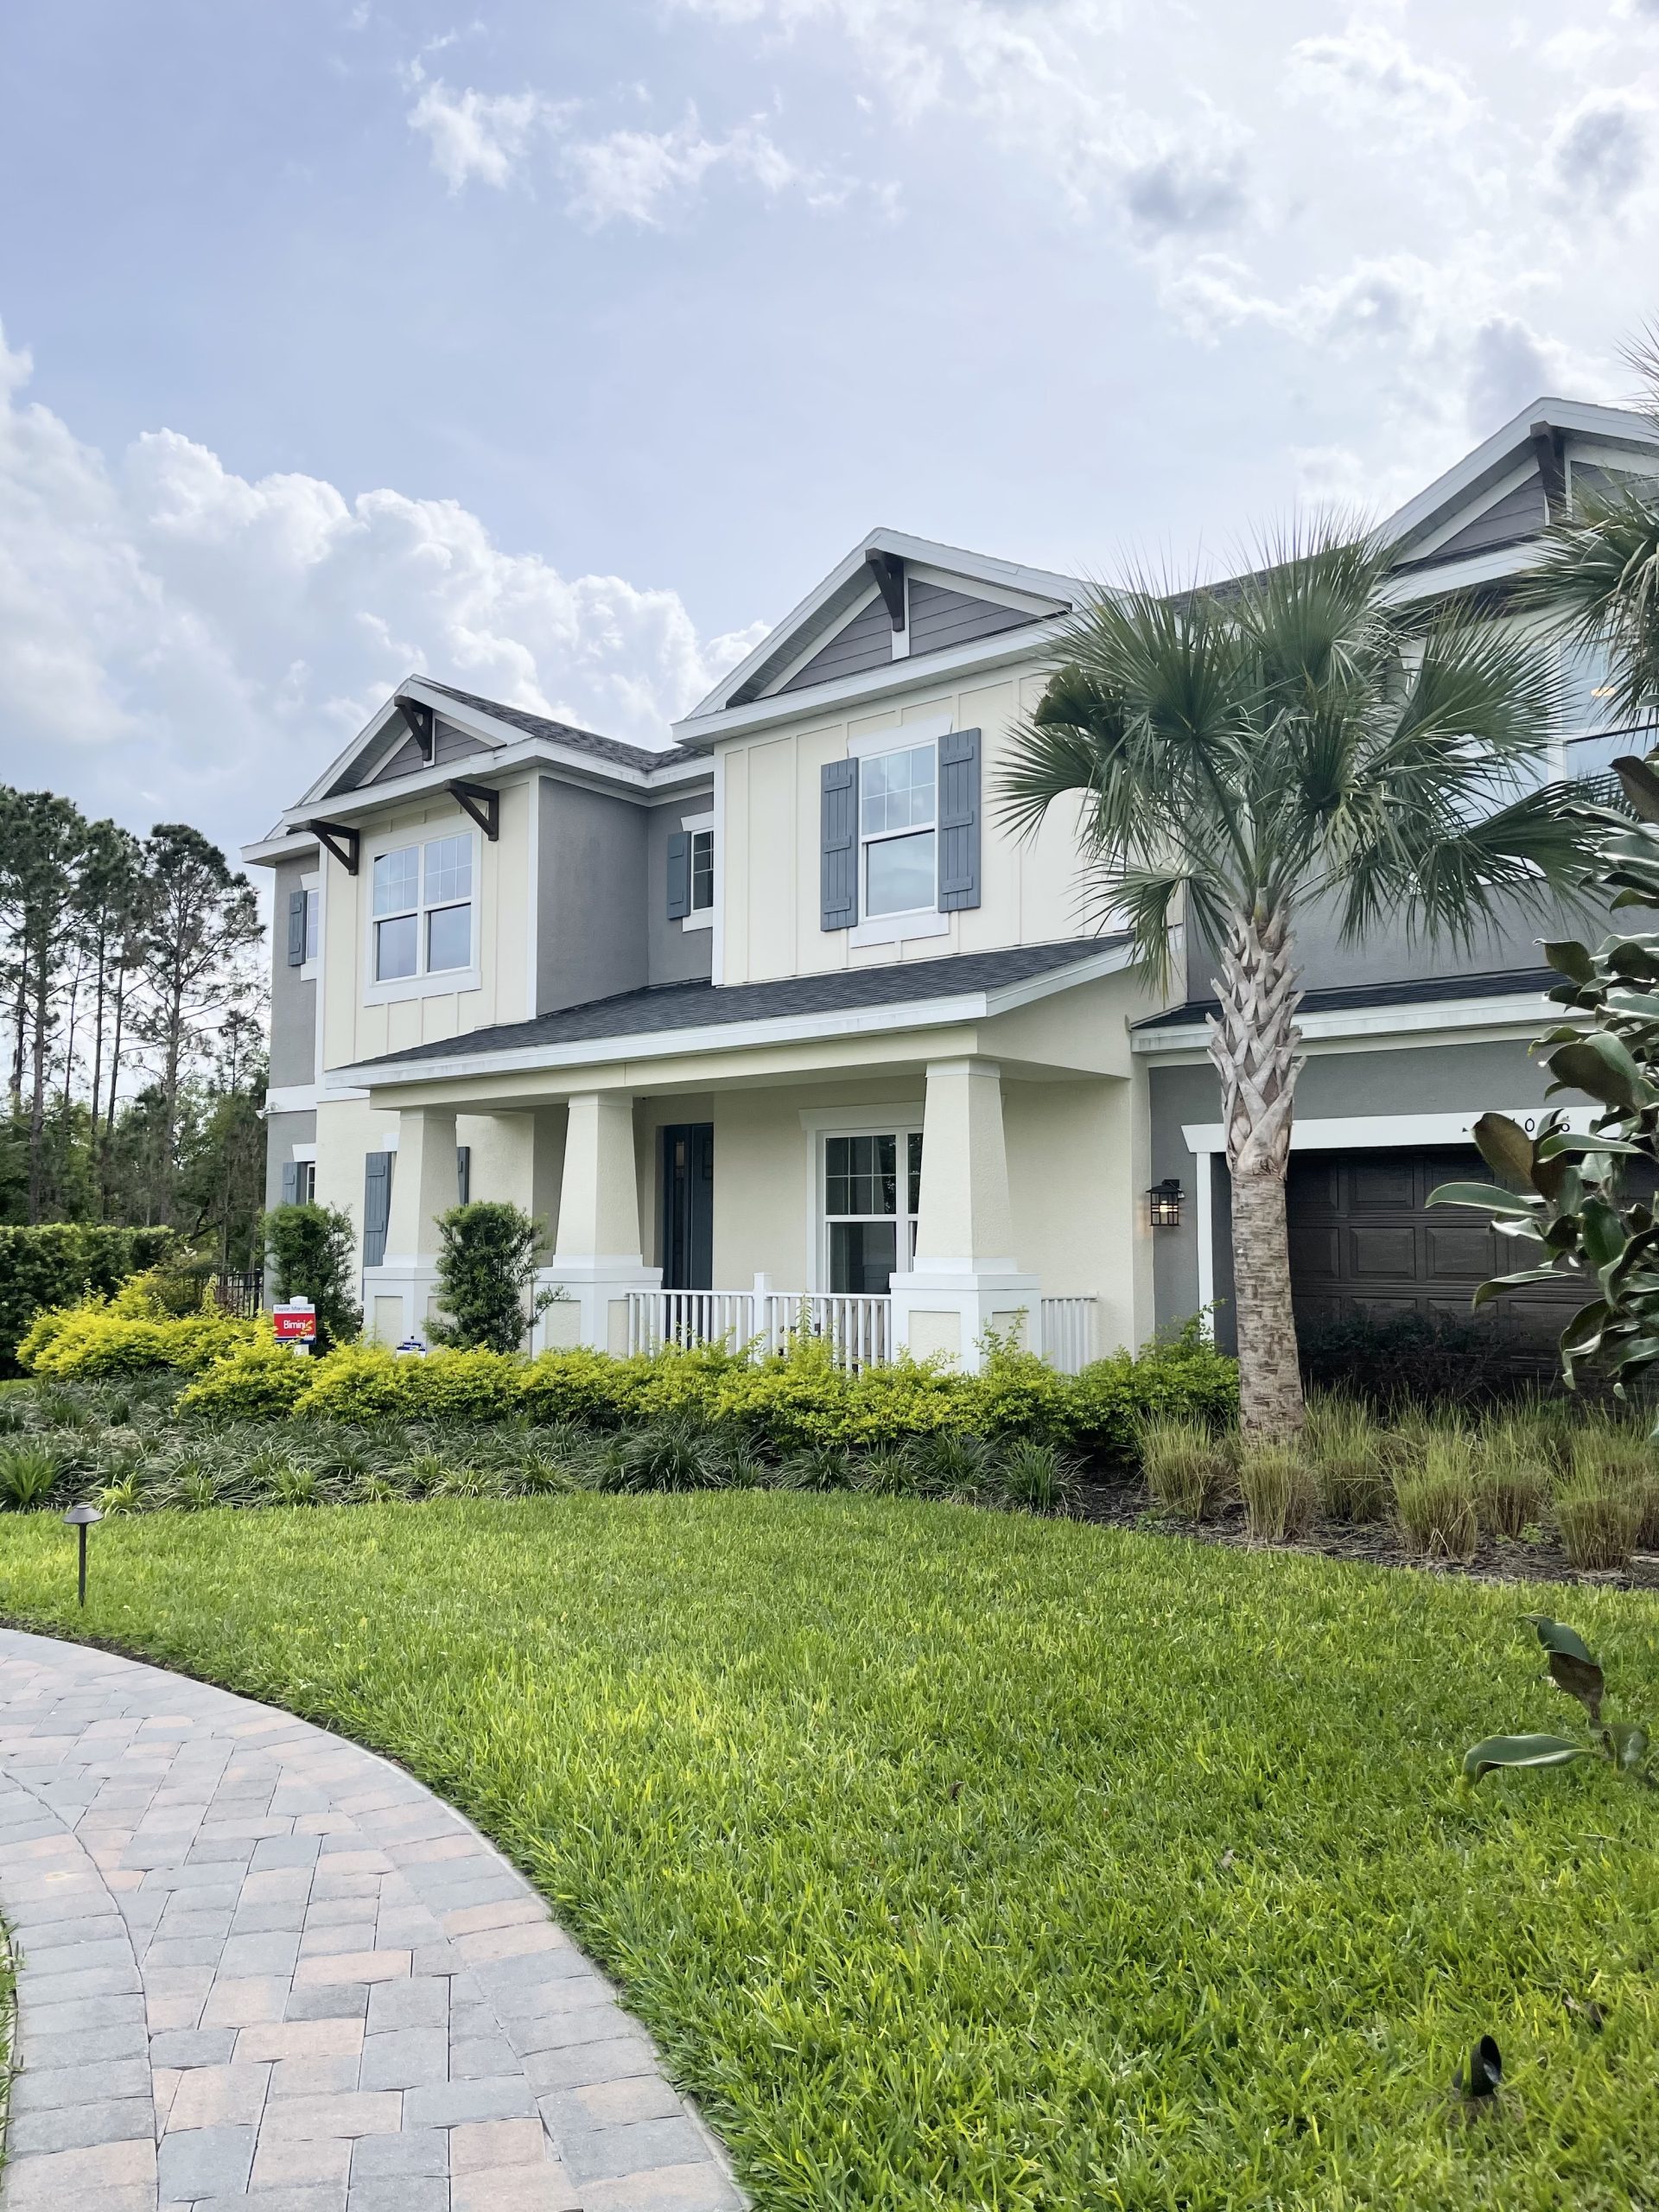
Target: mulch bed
x=1127, y=1506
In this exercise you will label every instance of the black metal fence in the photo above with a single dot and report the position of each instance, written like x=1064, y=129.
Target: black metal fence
x=241, y=1295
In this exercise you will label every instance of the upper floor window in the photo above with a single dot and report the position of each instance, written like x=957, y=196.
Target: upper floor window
x=423, y=908
x=899, y=830
x=702, y=869
x=313, y=922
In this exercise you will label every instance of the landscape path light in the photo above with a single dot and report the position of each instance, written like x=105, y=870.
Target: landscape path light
x=80, y=1518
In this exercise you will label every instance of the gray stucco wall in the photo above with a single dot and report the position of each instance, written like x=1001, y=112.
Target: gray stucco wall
x=1414, y=1079
x=282, y=1132
x=293, y=1000
x=674, y=955
x=591, y=939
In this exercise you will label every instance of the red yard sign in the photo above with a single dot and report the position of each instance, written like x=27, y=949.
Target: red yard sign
x=295, y=1325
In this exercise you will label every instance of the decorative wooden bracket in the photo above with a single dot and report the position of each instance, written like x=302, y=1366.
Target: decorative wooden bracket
x=482, y=804
x=341, y=840
x=889, y=571
x=422, y=725
x=1548, y=447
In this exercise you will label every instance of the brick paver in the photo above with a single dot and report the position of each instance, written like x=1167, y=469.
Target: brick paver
x=261, y=1970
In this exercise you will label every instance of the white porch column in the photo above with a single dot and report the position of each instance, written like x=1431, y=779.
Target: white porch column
x=966, y=1278
x=599, y=1257
x=397, y=1294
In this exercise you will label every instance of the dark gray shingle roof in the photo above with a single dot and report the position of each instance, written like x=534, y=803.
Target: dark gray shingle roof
x=1416, y=991
x=706, y=1006
x=578, y=740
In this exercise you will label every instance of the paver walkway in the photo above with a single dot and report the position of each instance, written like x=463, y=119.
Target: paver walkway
x=262, y=1968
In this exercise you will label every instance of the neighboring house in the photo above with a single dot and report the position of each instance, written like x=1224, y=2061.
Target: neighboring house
x=783, y=1013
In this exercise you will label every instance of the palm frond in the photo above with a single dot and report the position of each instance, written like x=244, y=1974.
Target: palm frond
x=1446, y=882
x=1598, y=578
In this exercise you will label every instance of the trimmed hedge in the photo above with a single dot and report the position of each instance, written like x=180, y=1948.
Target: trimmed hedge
x=59, y=1263
x=784, y=1405
x=137, y=1331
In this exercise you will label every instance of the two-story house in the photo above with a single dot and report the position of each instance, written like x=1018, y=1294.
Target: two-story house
x=783, y=1013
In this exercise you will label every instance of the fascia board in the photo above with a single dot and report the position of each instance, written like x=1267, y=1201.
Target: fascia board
x=968, y=1007
x=265, y=852
x=933, y=671
x=803, y=611
x=1521, y=1012
x=507, y=737
x=374, y=727
x=1462, y=572
x=505, y=760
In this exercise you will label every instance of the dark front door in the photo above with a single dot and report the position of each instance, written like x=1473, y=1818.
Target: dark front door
x=688, y=1206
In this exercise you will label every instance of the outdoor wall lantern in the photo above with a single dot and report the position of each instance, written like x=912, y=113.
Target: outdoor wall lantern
x=1164, y=1203
x=80, y=1518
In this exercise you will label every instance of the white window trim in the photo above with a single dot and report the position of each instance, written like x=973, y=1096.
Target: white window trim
x=303, y=1152
x=312, y=886
x=911, y=921
x=702, y=917
x=445, y=980
x=901, y=1121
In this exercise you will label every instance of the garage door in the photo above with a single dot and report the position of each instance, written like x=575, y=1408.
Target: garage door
x=1363, y=1235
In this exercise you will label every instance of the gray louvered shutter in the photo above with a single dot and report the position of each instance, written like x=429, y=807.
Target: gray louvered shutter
x=296, y=929
x=290, y=1182
x=679, y=875
x=463, y=1174
x=959, y=820
x=838, y=844
x=377, y=1206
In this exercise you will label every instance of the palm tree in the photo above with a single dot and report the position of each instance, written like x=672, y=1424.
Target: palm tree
x=1237, y=755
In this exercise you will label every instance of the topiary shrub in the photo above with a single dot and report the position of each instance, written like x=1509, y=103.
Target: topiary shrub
x=476, y=1386
x=487, y=1255
x=354, y=1382
x=312, y=1250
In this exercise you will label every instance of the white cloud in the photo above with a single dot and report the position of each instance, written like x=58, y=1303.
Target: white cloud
x=1600, y=151
x=481, y=136
x=177, y=640
x=1367, y=72
x=645, y=176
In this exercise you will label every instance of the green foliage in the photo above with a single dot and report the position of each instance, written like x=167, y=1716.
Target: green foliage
x=58, y=1263
x=1623, y=1744
x=95, y=1340
x=961, y=1861
x=1188, y=1468
x=1280, y=1490
x=260, y=1380
x=312, y=1254
x=480, y=1385
x=361, y=1382
x=488, y=1253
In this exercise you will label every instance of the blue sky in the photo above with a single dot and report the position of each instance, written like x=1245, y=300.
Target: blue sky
x=554, y=348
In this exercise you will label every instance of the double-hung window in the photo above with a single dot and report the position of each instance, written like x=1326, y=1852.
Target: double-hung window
x=872, y=1195
x=312, y=923
x=423, y=909
x=702, y=870
x=898, y=827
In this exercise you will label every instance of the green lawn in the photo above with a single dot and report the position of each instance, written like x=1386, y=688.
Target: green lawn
x=966, y=1860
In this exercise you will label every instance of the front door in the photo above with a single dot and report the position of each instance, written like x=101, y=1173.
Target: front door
x=688, y=1206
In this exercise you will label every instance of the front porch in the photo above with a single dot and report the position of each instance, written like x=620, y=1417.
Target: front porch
x=921, y=1212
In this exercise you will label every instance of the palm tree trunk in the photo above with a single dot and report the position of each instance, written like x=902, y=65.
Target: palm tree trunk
x=1252, y=1046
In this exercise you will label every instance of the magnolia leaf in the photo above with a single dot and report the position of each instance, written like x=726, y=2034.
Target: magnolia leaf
x=1604, y=1240
x=1555, y=1636
x=1639, y=784
x=1579, y=1678
x=1488, y=1196
x=1505, y=1148
x=1600, y=1066
x=1627, y=1744
x=1571, y=959
x=1496, y=1752
x=1643, y=1006
x=1580, y=1332
x=1499, y=1284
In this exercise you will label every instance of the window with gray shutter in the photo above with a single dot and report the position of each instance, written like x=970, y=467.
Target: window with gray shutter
x=838, y=855
x=959, y=820
x=463, y=1174
x=377, y=1206
x=679, y=875
x=290, y=1182
x=296, y=929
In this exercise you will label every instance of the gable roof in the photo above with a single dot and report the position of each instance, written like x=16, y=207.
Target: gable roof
x=785, y=659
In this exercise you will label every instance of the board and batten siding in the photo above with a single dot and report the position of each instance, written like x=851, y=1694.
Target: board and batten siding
x=772, y=883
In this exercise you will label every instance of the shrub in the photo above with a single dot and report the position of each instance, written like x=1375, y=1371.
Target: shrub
x=1346, y=1448
x=1435, y=1502
x=471, y=1386
x=1410, y=1358
x=95, y=1340
x=677, y=1453
x=1598, y=1523
x=1512, y=1481
x=354, y=1382
x=58, y=1263
x=1035, y=1477
x=1186, y=1468
x=27, y=1475
x=311, y=1253
x=258, y=1380
x=579, y=1385
x=487, y=1256
x=1279, y=1492
x=1186, y=1374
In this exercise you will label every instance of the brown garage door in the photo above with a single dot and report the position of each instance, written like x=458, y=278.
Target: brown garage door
x=1363, y=1235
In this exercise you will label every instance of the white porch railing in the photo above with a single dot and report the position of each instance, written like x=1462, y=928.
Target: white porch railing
x=1069, y=1333
x=858, y=1329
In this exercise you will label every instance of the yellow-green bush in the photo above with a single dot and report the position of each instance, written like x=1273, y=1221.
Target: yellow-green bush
x=473, y=1385
x=359, y=1381
x=85, y=1342
x=258, y=1381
